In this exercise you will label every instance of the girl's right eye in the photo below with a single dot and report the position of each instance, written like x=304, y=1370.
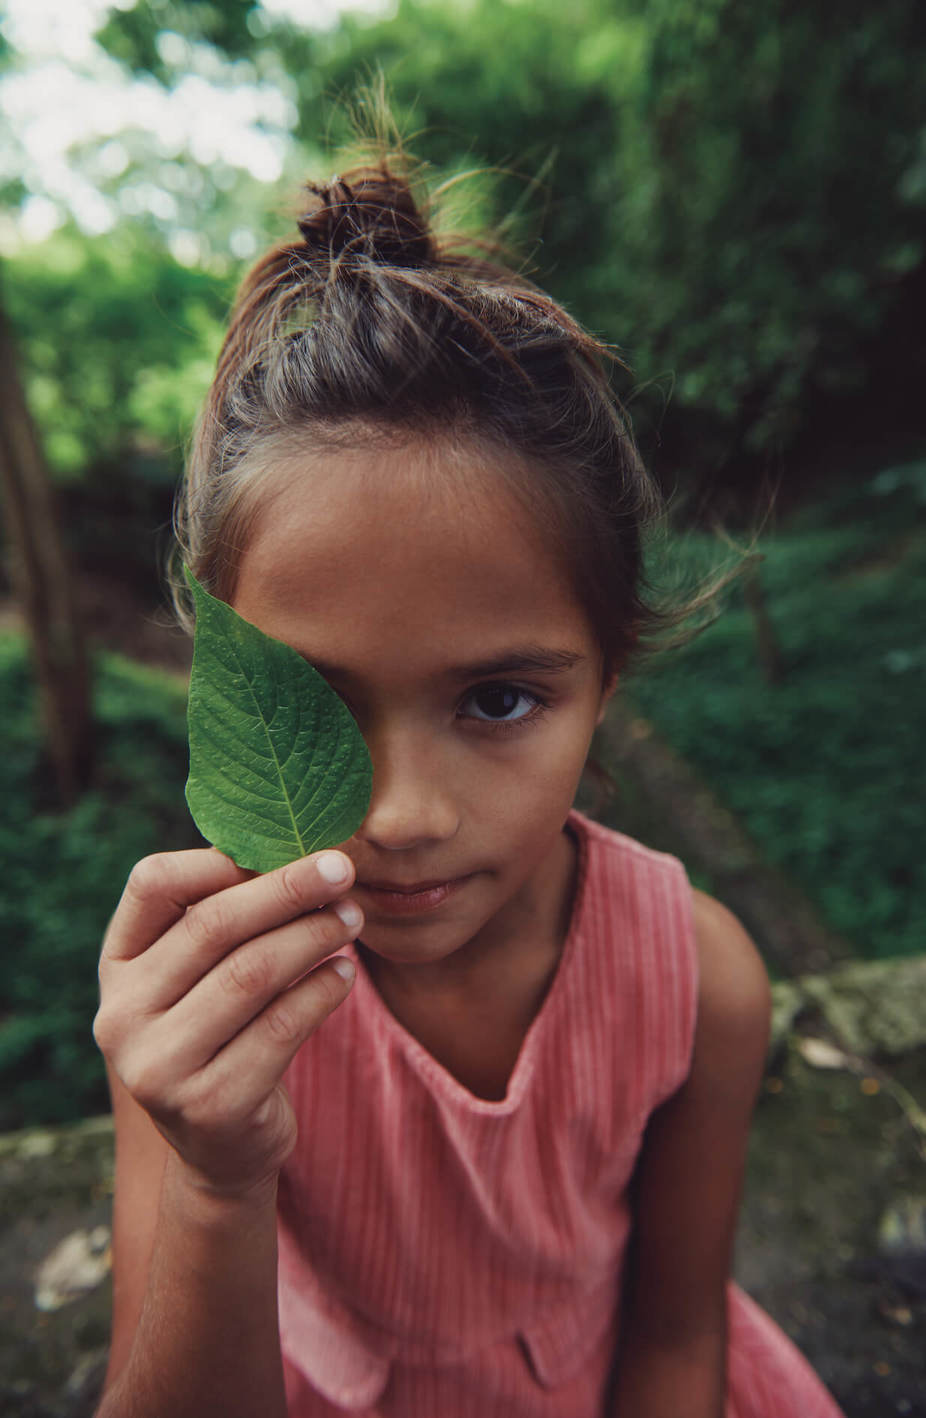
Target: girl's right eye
x=499, y=704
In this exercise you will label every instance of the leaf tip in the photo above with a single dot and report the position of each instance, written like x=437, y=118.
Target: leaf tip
x=192, y=582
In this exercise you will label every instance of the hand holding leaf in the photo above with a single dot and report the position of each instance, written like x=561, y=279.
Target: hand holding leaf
x=278, y=767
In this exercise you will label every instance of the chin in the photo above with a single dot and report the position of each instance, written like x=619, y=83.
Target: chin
x=410, y=949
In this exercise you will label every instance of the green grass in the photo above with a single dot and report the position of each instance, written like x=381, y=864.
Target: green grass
x=825, y=768
x=62, y=876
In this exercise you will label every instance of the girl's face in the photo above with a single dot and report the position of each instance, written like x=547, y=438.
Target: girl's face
x=412, y=580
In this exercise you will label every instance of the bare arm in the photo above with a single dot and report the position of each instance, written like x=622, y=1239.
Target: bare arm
x=208, y=989
x=194, y=1299
x=687, y=1188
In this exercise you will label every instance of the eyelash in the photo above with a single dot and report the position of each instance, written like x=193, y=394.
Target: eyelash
x=504, y=727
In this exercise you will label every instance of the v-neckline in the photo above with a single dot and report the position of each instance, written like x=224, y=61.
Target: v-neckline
x=368, y=998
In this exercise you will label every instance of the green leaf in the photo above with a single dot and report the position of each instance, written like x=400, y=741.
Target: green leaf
x=278, y=767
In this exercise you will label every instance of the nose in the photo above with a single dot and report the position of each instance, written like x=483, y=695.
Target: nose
x=412, y=804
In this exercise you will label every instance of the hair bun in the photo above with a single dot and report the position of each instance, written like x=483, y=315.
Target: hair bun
x=368, y=212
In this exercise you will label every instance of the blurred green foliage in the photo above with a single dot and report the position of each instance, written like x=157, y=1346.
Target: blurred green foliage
x=732, y=194
x=824, y=769
x=737, y=192
x=119, y=343
x=62, y=875
x=131, y=33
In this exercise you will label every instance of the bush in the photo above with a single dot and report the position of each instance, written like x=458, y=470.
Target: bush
x=118, y=343
x=821, y=767
x=735, y=191
x=63, y=875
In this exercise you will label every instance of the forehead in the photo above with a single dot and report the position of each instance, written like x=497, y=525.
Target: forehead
x=421, y=542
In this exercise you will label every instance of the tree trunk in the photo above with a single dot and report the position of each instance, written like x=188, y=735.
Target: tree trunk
x=42, y=582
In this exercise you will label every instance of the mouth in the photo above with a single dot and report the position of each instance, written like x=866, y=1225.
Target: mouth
x=401, y=899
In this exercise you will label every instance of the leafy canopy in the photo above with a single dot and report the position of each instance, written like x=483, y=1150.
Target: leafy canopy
x=732, y=194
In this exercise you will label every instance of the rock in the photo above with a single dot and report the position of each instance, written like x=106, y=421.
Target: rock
x=830, y=1158
x=788, y=999
x=902, y=1242
x=77, y=1264
x=55, y=1204
x=903, y=1227
x=819, y=1053
x=871, y=1007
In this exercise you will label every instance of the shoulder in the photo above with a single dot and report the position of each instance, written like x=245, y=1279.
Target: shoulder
x=734, y=998
x=732, y=976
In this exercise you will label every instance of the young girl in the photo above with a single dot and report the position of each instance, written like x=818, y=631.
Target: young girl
x=451, y=1120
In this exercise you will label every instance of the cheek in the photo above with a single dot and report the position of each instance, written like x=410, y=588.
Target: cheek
x=570, y=744
x=540, y=781
x=566, y=759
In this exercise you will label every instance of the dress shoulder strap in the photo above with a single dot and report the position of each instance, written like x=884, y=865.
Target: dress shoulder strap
x=639, y=943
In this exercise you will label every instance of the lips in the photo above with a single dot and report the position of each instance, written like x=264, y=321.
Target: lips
x=409, y=899
x=397, y=888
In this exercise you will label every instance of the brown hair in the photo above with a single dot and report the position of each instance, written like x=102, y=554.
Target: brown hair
x=370, y=326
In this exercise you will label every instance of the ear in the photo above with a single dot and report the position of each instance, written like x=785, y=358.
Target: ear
x=608, y=688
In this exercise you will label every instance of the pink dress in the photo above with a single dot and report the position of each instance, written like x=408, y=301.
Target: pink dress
x=442, y=1254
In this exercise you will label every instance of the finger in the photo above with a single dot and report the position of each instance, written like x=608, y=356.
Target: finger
x=244, y=982
x=158, y=892
x=245, y=1072
x=216, y=925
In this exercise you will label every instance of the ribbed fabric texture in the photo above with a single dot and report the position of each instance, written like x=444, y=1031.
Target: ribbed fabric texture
x=443, y=1254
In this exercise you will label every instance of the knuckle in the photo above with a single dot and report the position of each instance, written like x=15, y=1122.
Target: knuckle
x=273, y=1124
x=103, y=1032
x=286, y=1134
x=204, y=1109
x=219, y=1109
x=328, y=930
x=147, y=1084
x=329, y=989
x=150, y=876
x=247, y=972
x=205, y=922
x=108, y=972
x=283, y=1022
x=289, y=888
x=112, y=1024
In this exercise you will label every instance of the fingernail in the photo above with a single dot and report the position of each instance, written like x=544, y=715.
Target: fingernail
x=350, y=914
x=333, y=866
x=344, y=967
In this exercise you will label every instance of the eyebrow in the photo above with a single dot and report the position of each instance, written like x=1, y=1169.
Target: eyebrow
x=526, y=659
x=529, y=659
